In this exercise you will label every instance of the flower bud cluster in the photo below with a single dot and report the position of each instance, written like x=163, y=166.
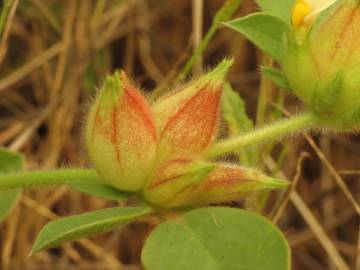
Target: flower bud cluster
x=157, y=149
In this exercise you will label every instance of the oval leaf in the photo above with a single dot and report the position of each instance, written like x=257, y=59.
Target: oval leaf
x=9, y=161
x=217, y=239
x=101, y=190
x=71, y=228
x=265, y=31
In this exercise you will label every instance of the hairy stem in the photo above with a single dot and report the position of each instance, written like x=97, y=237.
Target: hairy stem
x=47, y=178
x=268, y=133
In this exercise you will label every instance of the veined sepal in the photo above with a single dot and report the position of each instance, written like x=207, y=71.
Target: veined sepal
x=187, y=118
x=121, y=134
x=173, y=179
x=185, y=183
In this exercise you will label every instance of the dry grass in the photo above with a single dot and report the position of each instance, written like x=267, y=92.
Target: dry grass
x=54, y=53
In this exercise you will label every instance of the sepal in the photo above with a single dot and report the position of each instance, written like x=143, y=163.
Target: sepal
x=121, y=134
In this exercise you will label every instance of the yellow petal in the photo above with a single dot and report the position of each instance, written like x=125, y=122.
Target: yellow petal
x=319, y=5
x=300, y=11
x=305, y=11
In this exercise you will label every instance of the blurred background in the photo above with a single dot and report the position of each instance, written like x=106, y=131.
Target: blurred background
x=54, y=54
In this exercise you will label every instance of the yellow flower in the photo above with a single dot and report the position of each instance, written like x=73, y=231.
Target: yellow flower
x=305, y=11
x=322, y=62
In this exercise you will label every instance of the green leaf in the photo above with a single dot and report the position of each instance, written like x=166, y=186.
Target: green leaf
x=8, y=201
x=235, y=116
x=265, y=31
x=9, y=161
x=217, y=239
x=234, y=111
x=74, y=227
x=355, y=116
x=327, y=93
x=102, y=191
x=90, y=79
x=279, y=8
x=276, y=76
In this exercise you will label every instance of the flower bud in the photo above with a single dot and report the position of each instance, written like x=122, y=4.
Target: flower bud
x=188, y=183
x=187, y=119
x=121, y=135
x=323, y=62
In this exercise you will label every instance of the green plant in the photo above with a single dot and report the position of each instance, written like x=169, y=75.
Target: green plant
x=162, y=153
x=170, y=141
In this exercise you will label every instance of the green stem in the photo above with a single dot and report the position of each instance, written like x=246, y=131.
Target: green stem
x=4, y=13
x=264, y=93
x=47, y=178
x=267, y=133
x=223, y=14
x=45, y=11
x=98, y=10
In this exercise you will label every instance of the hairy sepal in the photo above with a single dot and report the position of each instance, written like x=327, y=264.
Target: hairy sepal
x=121, y=134
x=187, y=119
x=185, y=183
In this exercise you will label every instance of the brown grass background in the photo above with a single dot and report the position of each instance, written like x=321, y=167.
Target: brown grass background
x=54, y=53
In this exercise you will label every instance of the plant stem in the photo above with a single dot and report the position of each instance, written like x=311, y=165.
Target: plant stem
x=267, y=133
x=4, y=13
x=98, y=10
x=47, y=178
x=264, y=97
x=223, y=14
x=48, y=15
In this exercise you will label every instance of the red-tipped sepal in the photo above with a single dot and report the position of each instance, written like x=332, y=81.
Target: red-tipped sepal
x=121, y=134
x=187, y=119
